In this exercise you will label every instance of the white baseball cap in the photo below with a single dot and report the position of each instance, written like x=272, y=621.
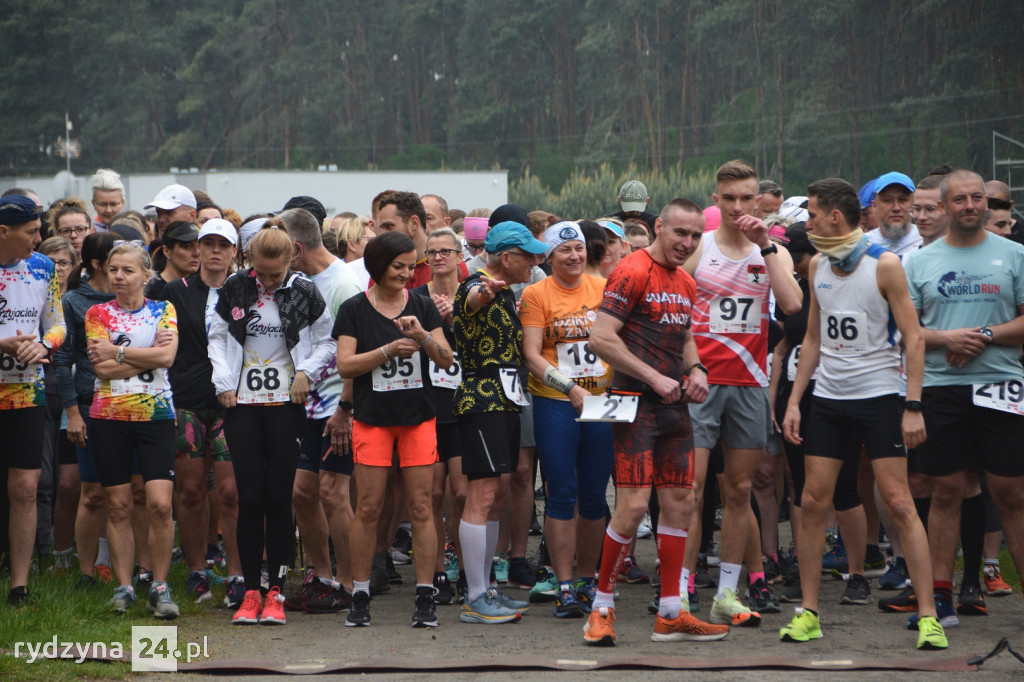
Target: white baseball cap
x=220, y=228
x=173, y=196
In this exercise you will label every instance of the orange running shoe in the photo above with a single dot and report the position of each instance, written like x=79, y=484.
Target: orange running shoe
x=249, y=612
x=994, y=583
x=686, y=628
x=273, y=608
x=599, y=631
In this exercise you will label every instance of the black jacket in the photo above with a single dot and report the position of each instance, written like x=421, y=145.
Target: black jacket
x=192, y=373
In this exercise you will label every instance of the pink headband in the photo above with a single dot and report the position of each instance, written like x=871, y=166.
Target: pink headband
x=475, y=228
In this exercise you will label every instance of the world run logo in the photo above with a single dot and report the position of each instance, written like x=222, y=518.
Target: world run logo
x=952, y=284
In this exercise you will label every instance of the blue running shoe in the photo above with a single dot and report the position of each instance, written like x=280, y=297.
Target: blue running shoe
x=945, y=611
x=896, y=577
x=567, y=605
x=586, y=590
x=487, y=609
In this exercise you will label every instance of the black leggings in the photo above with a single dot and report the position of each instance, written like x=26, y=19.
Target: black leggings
x=845, y=496
x=264, y=441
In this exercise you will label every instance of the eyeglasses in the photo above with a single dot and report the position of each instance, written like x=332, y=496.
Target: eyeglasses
x=444, y=253
x=63, y=263
x=77, y=229
x=108, y=204
x=519, y=253
x=134, y=242
x=474, y=248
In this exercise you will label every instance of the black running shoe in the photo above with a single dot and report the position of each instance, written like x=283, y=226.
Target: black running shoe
x=333, y=599
x=857, y=591
x=971, y=602
x=761, y=599
x=904, y=602
x=359, y=612
x=18, y=596
x=424, y=615
x=443, y=592
x=521, y=574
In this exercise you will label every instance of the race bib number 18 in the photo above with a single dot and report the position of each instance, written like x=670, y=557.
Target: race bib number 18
x=1007, y=396
x=576, y=360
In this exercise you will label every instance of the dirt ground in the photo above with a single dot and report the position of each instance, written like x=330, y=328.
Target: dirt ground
x=851, y=633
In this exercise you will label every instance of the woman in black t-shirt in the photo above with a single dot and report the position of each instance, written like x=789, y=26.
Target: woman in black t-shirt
x=385, y=337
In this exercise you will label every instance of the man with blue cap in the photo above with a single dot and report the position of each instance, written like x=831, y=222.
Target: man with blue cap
x=489, y=342
x=894, y=193
x=29, y=305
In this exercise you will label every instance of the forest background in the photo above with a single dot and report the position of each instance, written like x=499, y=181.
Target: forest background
x=570, y=96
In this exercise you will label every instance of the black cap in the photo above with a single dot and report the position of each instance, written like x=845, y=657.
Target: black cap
x=507, y=212
x=129, y=233
x=310, y=204
x=181, y=232
x=798, y=241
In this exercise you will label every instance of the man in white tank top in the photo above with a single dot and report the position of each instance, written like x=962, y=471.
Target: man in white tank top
x=859, y=298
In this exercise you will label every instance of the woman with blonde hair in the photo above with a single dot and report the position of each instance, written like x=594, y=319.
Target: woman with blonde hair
x=271, y=332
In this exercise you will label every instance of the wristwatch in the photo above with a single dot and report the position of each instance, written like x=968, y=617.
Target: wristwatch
x=699, y=366
x=769, y=249
x=345, y=405
x=45, y=343
x=987, y=332
x=913, y=405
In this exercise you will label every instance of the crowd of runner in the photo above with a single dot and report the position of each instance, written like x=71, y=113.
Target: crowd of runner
x=197, y=384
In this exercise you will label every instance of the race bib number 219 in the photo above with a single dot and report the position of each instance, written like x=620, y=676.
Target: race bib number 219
x=1007, y=396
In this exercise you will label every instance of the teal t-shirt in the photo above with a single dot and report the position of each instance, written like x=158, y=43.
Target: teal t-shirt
x=954, y=288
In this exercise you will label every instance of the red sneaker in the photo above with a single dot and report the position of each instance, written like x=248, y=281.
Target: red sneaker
x=273, y=608
x=249, y=612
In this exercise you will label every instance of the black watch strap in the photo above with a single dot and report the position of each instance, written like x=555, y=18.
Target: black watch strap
x=915, y=405
x=345, y=405
x=769, y=249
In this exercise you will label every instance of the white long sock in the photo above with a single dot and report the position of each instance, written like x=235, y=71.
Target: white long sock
x=729, y=578
x=475, y=557
x=103, y=555
x=493, y=527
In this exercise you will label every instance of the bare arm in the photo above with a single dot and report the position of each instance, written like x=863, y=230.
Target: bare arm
x=606, y=342
x=810, y=353
x=892, y=283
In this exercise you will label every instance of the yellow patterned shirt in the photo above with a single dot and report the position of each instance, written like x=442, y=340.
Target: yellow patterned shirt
x=486, y=340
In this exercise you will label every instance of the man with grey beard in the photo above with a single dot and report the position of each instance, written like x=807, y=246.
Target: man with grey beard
x=894, y=193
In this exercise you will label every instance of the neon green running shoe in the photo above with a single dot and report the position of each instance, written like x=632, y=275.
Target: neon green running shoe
x=802, y=628
x=930, y=634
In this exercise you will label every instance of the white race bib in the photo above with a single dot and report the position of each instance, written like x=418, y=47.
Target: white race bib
x=398, y=374
x=147, y=382
x=269, y=384
x=446, y=378
x=613, y=408
x=512, y=386
x=791, y=363
x=576, y=360
x=844, y=333
x=735, y=315
x=1007, y=396
x=14, y=372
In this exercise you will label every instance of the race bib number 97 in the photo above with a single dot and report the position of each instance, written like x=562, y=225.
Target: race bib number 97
x=1007, y=396
x=735, y=315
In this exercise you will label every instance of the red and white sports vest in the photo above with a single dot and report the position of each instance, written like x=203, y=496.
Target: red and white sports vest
x=730, y=317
